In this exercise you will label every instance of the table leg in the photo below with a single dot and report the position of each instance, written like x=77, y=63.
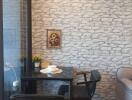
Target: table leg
x=28, y=86
x=71, y=90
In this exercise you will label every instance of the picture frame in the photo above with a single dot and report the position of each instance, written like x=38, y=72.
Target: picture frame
x=53, y=38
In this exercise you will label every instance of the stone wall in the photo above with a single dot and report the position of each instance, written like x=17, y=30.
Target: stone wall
x=96, y=34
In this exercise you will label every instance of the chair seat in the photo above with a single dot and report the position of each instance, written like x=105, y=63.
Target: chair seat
x=80, y=93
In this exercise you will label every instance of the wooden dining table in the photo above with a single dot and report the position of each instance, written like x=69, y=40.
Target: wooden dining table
x=28, y=82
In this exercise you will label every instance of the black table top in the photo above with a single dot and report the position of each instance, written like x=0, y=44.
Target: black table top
x=67, y=74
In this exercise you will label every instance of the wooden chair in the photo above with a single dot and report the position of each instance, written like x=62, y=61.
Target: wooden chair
x=35, y=97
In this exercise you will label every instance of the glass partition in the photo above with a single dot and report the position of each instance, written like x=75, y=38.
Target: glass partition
x=15, y=44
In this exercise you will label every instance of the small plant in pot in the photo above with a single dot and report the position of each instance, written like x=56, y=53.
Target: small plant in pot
x=37, y=62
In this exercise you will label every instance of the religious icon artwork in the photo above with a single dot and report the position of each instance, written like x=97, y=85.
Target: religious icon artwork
x=53, y=38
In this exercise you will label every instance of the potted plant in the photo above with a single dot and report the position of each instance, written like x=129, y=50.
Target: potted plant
x=36, y=61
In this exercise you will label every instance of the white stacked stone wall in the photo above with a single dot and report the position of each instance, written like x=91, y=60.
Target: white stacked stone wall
x=96, y=34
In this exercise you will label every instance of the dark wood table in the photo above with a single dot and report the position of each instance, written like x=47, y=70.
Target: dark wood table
x=29, y=81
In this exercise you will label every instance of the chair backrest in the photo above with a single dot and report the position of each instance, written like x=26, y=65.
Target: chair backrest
x=94, y=78
x=35, y=97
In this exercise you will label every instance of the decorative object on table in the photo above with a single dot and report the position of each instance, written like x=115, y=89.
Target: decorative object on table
x=45, y=64
x=37, y=62
x=53, y=38
x=52, y=69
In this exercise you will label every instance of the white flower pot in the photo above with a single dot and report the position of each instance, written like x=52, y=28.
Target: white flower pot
x=37, y=64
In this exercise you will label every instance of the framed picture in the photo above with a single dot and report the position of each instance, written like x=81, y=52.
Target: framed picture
x=53, y=38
